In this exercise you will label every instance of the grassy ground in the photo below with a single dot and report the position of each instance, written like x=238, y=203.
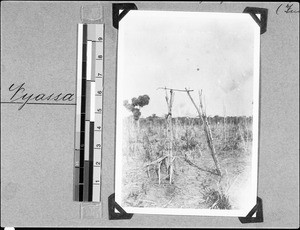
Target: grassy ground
x=191, y=188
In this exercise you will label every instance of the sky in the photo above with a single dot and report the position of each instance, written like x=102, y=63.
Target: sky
x=213, y=52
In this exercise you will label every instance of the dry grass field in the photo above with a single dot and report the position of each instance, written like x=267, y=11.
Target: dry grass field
x=194, y=184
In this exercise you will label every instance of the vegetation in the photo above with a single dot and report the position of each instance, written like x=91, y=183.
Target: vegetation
x=196, y=183
x=136, y=105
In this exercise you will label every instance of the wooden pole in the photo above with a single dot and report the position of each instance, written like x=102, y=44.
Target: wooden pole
x=209, y=139
x=170, y=127
x=179, y=90
x=170, y=131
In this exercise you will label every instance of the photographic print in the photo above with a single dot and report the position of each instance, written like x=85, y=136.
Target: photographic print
x=187, y=113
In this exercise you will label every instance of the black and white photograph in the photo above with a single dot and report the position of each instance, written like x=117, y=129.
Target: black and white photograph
x=149, y=114
x=187, y=113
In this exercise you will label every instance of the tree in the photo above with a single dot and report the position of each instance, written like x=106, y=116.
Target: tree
x=152, y=117
x=136, y=105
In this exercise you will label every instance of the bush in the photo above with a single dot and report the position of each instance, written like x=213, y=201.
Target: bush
x=216, y=199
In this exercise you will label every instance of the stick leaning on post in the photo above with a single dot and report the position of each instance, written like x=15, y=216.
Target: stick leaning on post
x=202, y=114
x=209, y=139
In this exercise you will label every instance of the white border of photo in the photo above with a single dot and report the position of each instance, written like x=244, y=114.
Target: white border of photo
x=135, y=15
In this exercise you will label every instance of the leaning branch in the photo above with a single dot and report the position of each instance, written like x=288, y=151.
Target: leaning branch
x=196, y=166
x=155, y=162
x=207, y=130
x=198, y=110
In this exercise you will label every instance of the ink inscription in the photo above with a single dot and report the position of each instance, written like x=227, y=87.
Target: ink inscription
x=288, y=8
x=20, y=94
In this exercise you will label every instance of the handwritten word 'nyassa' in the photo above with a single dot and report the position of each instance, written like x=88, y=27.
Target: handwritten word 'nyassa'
x=19, y=94
x=288, y=8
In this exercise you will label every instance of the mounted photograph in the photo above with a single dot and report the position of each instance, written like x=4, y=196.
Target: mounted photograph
x=187, y=113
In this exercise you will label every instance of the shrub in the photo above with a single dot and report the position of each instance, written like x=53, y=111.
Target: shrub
x=216, y=199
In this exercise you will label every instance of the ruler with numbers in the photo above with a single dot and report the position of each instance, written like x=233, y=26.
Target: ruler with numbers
x=88, y=131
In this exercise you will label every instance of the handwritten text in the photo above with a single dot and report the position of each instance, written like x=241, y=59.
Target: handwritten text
x=286, y=8
x=20, y=94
